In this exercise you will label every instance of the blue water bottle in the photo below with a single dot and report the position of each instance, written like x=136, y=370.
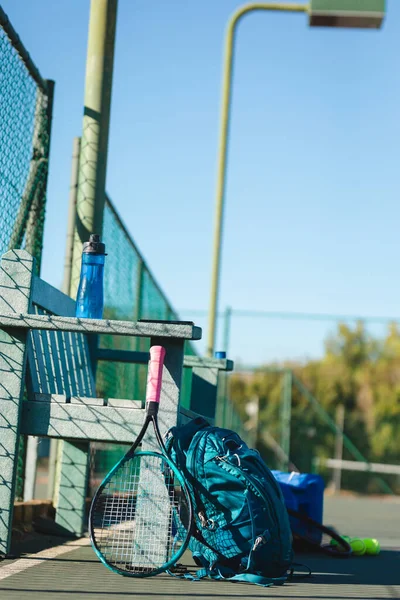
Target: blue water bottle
x=90, y=296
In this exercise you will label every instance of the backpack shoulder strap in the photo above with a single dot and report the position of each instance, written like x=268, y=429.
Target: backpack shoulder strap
x=257, y=579
x=222, y=573
x=185, y=433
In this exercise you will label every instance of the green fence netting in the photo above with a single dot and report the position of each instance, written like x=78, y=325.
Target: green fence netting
x=25, y=120
x=130, y=292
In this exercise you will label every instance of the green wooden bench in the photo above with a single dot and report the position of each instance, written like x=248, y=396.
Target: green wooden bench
x=48, y=360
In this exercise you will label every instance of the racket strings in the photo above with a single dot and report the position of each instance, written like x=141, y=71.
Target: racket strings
x=137, y=516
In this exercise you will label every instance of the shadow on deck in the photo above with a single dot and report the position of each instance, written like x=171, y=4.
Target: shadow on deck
x=59, y=574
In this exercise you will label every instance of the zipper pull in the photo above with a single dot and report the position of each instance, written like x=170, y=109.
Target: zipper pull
x=220, y=458
x=206, y=523
x=202, y=518
x=261, y=540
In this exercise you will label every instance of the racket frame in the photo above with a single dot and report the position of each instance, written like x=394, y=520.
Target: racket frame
x=128, y=456
x=345, y=551
x=152, y=406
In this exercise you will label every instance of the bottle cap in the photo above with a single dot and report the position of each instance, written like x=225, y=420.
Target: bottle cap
x=220, y=355
x=94, y=245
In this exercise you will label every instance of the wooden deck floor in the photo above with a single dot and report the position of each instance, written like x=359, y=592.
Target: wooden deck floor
x=72, y=571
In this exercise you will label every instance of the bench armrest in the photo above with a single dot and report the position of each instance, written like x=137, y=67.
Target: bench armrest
x=131, y=356
x=200, y=362
x=100, y=326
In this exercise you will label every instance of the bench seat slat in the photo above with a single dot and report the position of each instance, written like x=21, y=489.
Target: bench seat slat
x=65, y=366
x=81, y=356
x=49, y=373
x=84, y=421
x=110, y=402
x=40, y=354
x=62, y=399
x=33, y=364
x=81, y=421
x=74, y=374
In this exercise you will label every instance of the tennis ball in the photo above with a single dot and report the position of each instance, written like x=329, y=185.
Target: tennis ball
x=344, y=537
x=372, y=546
x=357, y=546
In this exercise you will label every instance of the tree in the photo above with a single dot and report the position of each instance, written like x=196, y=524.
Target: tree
x=356, y=370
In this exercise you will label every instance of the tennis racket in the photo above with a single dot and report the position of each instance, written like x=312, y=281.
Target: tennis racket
x=140, y=517
x=310, y=535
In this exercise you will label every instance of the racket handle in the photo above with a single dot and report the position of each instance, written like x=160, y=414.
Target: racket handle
x=154, y=375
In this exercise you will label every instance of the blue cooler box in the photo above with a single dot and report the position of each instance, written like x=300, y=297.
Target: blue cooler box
x=304, y=493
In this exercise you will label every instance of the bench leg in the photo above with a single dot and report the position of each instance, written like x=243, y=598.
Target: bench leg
x=72, y=487
x=15, y=287
x=11, y=392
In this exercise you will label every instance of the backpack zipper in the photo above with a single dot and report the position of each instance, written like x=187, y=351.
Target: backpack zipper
x=201, y=513
x=220, y=459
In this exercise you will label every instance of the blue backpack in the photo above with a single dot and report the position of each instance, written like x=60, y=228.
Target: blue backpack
x=241, y=528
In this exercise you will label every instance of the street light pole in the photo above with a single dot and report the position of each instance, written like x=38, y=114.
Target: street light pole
x=223, y=146
x=325, y=13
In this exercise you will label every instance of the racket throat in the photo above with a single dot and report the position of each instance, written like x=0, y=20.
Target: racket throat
x=152, y=409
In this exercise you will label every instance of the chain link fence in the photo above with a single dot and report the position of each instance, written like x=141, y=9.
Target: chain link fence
x=295, y=432
x=130, y=293
x=25, y=121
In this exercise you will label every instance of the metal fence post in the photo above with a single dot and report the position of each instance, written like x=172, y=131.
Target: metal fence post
x=35, y=225
x=223, y=377
x=136, y=316
x=139, y=294
x=286, y=410
x=73, y=196
x=337, y=473
x=227, y=328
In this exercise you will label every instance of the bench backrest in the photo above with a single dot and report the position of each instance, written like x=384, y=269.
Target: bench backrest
x=58, y=362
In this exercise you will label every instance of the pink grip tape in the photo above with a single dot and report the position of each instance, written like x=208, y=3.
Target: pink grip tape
x=154, y=375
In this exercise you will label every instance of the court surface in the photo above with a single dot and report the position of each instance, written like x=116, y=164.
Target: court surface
x=71, y=570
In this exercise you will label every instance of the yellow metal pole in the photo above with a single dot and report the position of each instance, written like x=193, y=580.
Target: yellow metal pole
x=96, y=118
x=223, y=145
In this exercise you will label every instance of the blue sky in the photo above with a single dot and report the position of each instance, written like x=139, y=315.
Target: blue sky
x=312, y=202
